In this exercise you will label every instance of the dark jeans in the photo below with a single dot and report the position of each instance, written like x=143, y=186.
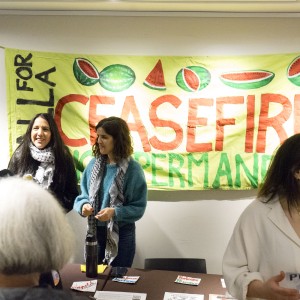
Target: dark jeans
x=126, y=249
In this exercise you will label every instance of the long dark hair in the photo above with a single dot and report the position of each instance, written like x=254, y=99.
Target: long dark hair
x=280, y=178
x=24, y=163
x=119, y=130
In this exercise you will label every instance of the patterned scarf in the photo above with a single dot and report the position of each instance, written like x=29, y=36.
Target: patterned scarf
x=44, y=174
x=116, y=199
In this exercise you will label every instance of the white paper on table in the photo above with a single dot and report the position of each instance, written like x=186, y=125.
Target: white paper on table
x=221, y=297
x=103, y=295
x=85, y=286
x=182, y=296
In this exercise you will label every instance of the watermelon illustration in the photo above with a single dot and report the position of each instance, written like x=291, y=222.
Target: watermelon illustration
x=193, y=78
x=155, y=79
x=293, y=71
x=85, y=72
x=116, y=78
x=252, y=79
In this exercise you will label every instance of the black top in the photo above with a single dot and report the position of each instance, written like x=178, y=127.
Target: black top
x=65, y=194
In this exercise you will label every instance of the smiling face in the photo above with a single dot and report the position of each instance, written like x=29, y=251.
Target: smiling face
x=40, y=133
x=106, y=143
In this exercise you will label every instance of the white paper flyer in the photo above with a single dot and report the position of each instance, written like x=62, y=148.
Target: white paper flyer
x=85, y=286
x=182, y=296
x=102, y=295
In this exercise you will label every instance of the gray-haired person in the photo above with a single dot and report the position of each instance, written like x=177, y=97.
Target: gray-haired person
x=35, y=237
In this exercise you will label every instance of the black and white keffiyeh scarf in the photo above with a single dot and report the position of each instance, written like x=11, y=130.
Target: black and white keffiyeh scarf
x=116, y=199
x=45, y=171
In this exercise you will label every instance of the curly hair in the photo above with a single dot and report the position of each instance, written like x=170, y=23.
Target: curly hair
x=119, y=130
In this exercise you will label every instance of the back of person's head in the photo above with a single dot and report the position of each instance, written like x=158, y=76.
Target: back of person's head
x=280, y=178
x=35, y=236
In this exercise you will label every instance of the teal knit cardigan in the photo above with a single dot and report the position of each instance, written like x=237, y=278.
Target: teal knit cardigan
x=135, y=194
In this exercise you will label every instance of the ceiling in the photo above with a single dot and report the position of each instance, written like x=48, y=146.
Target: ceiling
x=150, y=6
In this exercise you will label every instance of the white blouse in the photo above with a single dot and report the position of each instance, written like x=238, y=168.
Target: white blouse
x=263, y=243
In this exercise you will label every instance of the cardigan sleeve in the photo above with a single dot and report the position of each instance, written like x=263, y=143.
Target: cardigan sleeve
x=135, y=192
x=83, y=198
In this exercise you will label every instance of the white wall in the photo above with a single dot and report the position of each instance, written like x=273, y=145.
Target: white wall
x=201, y=225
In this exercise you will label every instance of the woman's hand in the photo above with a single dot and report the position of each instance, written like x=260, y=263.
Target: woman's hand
x=105, y=214
x=271, y=289
x=87, y=210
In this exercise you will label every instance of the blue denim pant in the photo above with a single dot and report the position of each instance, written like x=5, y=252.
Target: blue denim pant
x=126, y=249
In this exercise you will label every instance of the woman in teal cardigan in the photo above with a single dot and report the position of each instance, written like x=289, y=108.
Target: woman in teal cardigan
x=113, y=193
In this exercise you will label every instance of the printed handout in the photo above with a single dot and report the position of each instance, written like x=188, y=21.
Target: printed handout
x=103, y=295
x=182, y=296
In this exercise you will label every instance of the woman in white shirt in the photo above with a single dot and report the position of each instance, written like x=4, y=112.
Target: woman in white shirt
x=265, y=243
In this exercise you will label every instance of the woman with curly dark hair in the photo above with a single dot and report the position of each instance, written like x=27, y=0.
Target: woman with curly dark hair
x=43, y=156
x=113, y=193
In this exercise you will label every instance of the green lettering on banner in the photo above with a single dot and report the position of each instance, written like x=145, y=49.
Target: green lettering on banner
x=175, y=169
x=193, y=175
x=266, y=159
x=158, y=170
x=198, y=171
x=252, y=177
x=187, y=135
x=223, y=170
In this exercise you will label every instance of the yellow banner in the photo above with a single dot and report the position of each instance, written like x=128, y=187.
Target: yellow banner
x=196, y=122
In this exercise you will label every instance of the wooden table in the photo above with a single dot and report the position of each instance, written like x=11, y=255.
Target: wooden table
x=152, y=282
x=156, y=282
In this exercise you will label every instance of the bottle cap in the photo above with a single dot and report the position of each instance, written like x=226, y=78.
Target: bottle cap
x=90, y=238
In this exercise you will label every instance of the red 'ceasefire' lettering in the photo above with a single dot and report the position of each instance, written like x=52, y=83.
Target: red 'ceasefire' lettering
x=276, y=122
x=193, y=122
x=154, y=141
x=131, y=109
x=58, y=117
x=250, y=125
x=297, y=113
x=221, y=122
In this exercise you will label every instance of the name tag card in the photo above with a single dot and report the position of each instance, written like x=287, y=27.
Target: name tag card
x=127, y=279
x=291, y=280
x=187, y=280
